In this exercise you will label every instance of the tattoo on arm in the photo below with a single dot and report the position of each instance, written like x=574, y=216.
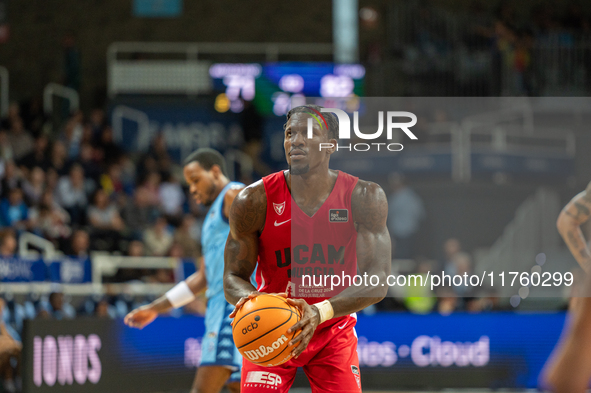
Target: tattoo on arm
x=574, y=214
x=247, y=218
x=582, y=210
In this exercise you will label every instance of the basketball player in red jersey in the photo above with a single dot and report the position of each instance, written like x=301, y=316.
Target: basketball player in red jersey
x=309, y=219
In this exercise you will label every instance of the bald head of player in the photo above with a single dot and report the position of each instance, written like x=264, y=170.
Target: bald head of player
x=205, y=173
x=304, y=154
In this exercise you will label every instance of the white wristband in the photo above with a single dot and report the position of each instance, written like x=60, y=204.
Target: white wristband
x=325, y=310
x=180, y=295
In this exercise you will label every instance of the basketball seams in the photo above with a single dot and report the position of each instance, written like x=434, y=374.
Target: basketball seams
x=257, y=310
x=268, y=360
x=286, y=306
x=276, y=327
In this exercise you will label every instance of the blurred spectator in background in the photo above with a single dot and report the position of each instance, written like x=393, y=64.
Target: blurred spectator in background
x=158, y=155
x=57, y=307
x=98, y=121
x=185, y=239
x=59, y=158
x=38, y=157
x=71, y=194
x=451, y=248
x=5, y=147
x=447, y=301
x=72, y=135
x=128, y=173
x=87, y=135
x=521, y=61
x=50, y=219
x=172, y=198
x=101, y=309
x=92, y=168
x=111, y=181
x=135, y=249
x=34, y=186
x=158, y=239
x=79, y=244
x=252, y=126
x=11, y=179
x=8, y=243
x=462, y=264
x=20, y=139
x=10, y=347
x=138, y=214
x=152, y=187
x=13, y=210
x=33, y=115
x=176, y=251
x=162, y=276
x=71, y=62
x=110, y=150
x=13, y=113
x=51, y=179
x=405, y=213
x=420, y=298
x=105, y=220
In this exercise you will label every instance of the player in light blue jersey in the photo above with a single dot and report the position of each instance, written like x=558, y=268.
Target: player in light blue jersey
x=220, y=360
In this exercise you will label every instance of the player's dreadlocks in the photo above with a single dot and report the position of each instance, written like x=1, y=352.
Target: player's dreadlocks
x=329, y=117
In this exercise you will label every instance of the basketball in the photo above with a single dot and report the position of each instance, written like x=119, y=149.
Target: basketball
x=260, y=330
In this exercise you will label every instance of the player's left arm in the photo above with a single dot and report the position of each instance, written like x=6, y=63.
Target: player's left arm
x=374, y=250
x=569, y=369
x=575, y=214
x=182, y=294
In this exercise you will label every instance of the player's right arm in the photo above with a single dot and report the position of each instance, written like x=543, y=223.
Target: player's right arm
x=181, y=294
x=247, y=219
x=574, y=214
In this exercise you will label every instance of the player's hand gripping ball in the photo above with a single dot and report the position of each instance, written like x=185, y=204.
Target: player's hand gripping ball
x=260, y=330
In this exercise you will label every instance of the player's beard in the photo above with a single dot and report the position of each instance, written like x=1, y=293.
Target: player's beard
x=210, y=197
x=299, y=170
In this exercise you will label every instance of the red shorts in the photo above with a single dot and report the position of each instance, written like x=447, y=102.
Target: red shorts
x=330, y=362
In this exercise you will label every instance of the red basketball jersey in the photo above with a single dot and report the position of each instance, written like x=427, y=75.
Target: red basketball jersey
x=293, y=244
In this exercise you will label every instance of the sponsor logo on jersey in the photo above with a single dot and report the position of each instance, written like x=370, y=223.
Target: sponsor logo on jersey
x=338, y=215
x=250, y=328
x=262, y=379
x=279, y=207
x=281, y=223
x=263, y=351
x=321, y=253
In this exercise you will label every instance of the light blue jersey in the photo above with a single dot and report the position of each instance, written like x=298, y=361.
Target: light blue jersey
x=213, y=241
x=218, y=345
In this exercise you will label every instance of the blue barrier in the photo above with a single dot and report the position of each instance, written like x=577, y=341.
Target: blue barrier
x=22, y=270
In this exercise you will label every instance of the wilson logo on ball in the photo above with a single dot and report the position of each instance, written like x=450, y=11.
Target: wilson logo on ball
x=263, y=351
x=250, y=328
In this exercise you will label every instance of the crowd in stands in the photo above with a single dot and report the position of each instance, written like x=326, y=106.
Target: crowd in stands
x=78, y=189
x=511, y=48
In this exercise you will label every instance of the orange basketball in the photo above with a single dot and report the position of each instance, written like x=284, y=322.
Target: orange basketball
x=260, y=330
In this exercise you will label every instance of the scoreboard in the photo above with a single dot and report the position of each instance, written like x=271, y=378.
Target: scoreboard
x=272, y=87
